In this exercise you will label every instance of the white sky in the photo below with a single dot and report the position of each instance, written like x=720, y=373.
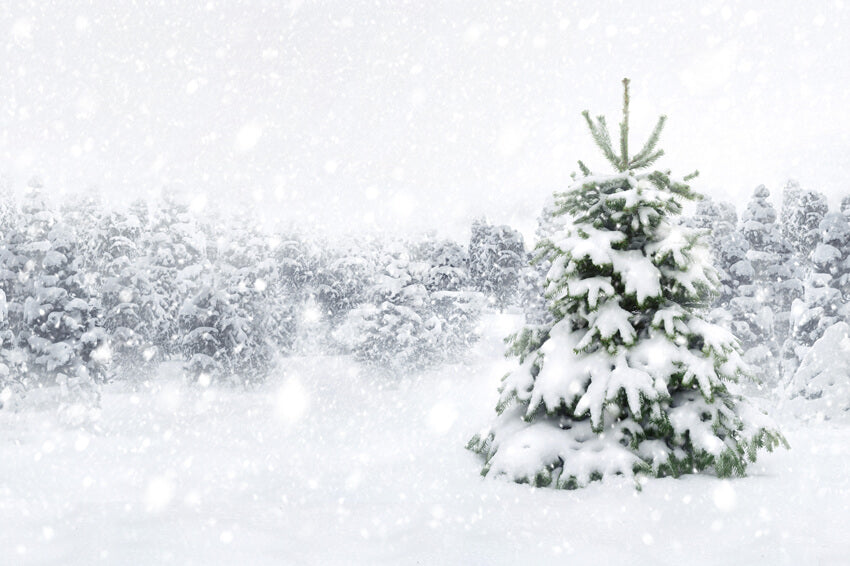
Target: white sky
x=350, y=115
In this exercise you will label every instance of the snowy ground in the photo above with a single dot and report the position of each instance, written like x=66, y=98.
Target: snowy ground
x=330, y=465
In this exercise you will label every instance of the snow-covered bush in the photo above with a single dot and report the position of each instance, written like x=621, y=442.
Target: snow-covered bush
x=629, y=378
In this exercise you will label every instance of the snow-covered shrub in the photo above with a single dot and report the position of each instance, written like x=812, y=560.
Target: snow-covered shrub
x=629, y=378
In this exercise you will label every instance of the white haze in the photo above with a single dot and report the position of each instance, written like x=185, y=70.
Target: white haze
x=351, y=116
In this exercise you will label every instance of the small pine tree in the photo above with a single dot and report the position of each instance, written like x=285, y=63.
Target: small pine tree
x=629, y=378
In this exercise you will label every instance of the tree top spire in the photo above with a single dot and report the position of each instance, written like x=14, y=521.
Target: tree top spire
x=622, y=162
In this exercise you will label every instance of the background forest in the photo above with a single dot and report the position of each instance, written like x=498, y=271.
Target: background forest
x=93, y=294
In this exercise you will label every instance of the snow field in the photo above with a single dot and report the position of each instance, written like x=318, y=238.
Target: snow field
x=327, y=464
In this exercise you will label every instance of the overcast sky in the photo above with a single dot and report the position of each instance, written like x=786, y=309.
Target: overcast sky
x=349, y=115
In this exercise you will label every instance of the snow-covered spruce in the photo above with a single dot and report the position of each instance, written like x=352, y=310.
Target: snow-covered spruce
x=497, y=258
x=761, y=310
x=628, y=379
x=407, y=325
x=820, y=388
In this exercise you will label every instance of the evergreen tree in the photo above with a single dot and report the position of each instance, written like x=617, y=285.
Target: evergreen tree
x=445, y=265
x=820, y=388
x=395, y=328
x=252, y=332
x=629, y=378
x=202, y=319
x=822, y=304
x=174, y=250
x=443, y=270
x=534, y=274
x=59, y=320
x=497, y=258
x=845, y=206
x=728, y=247
x=228, y=325
x=802, y=212
x=339, y=280
x=129, y=312
x=761, y=309
x=407, y=325
x=12, y=360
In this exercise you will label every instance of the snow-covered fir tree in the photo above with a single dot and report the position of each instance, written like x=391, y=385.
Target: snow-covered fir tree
x=341, y=278
x=60, y=322
x=445, y=264
x=820, y=388
x=228, y=325
x=497, y=258
x=128, y=301
x=403, y=325
x=822, y=304
x=728, y=247
x=395, y=328
x=760, y=310
x=533, y=300
x=832, y=255
x=629, y=378
x=802, y=212
x=443, y=270
x=174, y=250
x=12, y=359
x=254, y=331
x=845, y=206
